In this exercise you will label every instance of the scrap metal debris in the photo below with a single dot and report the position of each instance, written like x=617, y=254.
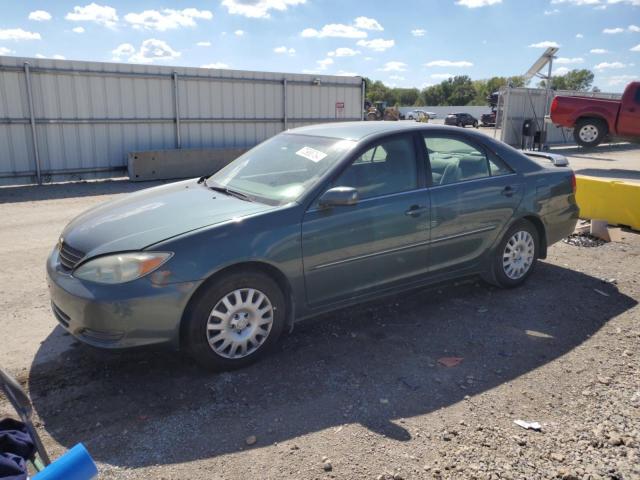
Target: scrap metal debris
x=528, y=425
x=583, y=240
x=450, y=361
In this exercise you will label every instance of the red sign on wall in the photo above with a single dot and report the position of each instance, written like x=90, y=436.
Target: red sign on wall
x=339, y=109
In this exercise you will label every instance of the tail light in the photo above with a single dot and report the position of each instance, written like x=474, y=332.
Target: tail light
x=574, y=185
x=554, y=105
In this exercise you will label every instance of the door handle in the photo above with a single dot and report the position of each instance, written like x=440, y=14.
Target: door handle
x=508, y=191
x=415, y=210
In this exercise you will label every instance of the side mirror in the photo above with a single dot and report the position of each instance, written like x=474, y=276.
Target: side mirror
x=339, y=196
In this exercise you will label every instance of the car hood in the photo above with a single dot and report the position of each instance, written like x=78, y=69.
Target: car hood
x=140, y=219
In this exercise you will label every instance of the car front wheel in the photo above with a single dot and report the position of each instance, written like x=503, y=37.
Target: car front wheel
x=235, y=320
x=515, y=257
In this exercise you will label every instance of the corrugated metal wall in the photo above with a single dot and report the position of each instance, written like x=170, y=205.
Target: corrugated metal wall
x=87, y=116
x=519, y=104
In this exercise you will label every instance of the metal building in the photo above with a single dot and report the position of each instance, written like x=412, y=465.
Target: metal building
x=71, y=119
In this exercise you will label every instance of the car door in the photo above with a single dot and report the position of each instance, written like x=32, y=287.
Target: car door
x=629, y=117
x=383, y=238
x=474, y=193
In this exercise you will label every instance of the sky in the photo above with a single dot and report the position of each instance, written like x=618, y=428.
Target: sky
x=411, y=43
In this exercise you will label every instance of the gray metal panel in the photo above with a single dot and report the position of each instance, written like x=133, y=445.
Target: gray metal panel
x=89, y=115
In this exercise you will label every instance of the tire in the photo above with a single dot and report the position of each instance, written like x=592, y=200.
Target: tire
x=460, y=124
x=589, y=132
x=372, y=116
x=512, y=272
x=247, y=314
x=475, y=124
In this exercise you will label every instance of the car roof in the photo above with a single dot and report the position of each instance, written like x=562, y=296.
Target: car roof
x=361, y=129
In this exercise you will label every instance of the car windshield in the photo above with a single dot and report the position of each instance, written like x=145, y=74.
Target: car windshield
x=281, y=169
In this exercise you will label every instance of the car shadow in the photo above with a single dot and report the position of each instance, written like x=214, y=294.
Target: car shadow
x=55, y=191
x=374, y=364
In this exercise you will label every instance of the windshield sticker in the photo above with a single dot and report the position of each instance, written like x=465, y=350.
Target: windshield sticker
x=311, y=154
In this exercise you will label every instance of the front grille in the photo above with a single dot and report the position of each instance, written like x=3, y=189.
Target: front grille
x=69, y=257
x=62, y=317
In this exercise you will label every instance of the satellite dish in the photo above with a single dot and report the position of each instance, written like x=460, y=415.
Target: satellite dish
x=546, y=58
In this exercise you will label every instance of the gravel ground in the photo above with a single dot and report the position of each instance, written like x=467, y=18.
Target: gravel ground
x=356, y=394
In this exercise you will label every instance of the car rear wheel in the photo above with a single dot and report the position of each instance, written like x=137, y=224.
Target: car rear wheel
x=475, y=124
x=515, y=257
x=235, y=320
x=460, y=124
x=589, y=132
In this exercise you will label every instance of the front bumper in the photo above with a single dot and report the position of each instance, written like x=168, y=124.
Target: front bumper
x=131, y=314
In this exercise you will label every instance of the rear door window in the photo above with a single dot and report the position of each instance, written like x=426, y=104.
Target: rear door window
x=454, y=160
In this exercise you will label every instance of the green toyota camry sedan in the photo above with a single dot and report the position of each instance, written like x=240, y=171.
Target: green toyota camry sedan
x=311, y=220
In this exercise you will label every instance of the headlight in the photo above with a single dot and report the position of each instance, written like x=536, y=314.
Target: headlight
x=121, y=268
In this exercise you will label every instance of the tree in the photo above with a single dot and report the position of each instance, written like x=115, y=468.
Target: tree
x=579, y=80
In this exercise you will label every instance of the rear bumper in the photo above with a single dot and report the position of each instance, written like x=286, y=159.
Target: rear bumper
x=133, y=314
x=561, y=224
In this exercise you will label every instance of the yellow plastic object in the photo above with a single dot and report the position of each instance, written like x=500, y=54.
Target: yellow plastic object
x=616, y=201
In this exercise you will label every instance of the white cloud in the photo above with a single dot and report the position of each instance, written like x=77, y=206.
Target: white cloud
x=397, y=78
x=151, y=50
x=377, y=44
x=577, y=2
x=59, y=57
x=258, y=8
x=555, y=11
x=283, y=49
x=598, y=51
x=568, y=61
x=343, y=52
x=441, y=76
x=561, y=71
x=394, y=66
x=607, y=65
x=123, y=50
x=18, y=34
x=342, y=73
x=579, y=35
x=449, y=63
x=218, y=65
x=167, y=19
x=418, y=32
x=205, y=43
x=620, y=79
x=334, y=30
x=238, y=33
x=636, y=48
x=613, y=31
x=477, y=3
x=40, y=16
x=544, y=44
x=366, y=23
x=634, y=28
x=323, y=64
x=78, y=29
x=100, y=14
x=6, y=51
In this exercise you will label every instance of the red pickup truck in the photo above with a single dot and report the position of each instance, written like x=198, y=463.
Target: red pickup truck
x=593, y=119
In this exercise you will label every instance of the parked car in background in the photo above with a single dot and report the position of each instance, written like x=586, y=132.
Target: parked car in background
x=593, y=119
x=415, y=114
x=311, y=220
x=488, y=119
x=461, y=120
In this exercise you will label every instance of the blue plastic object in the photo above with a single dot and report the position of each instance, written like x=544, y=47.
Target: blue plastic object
x=76, y=464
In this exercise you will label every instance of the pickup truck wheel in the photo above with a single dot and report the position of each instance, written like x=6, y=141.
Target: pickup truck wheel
x=235, y=320
x=589, y=132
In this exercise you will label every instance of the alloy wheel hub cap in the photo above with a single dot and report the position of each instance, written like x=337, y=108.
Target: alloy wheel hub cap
x=588, y=133
x=239, y=323
x=518, y=255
